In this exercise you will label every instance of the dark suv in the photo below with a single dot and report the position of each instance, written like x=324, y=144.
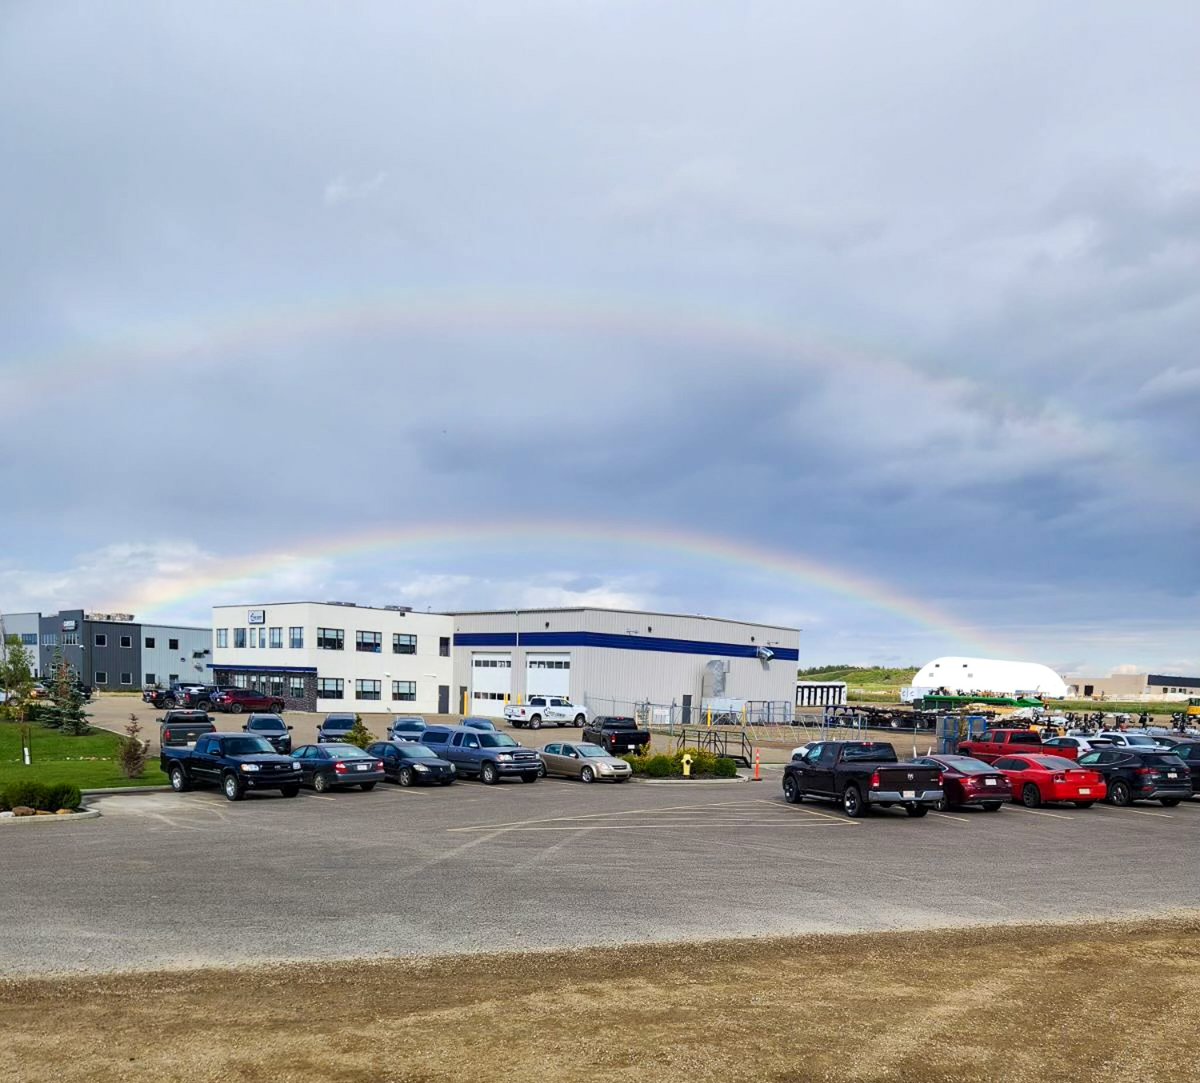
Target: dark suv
x=1135, y=775
x=273, y=728
x=240, y=700
x=335, y=727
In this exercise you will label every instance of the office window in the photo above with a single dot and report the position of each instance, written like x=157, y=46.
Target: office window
x=70, y=639
x=277, y=637
x=277, y=685
x=329, y=688
x=126, y=641
x=29, y=639
x=262, y=638
x=149, y=643
x=239, y=681
x=296, y=687
x=367, y=690
x=253, y=641
x=330, y=639
x=173, y=678
x=173, y=644
x=403, y=644
x=368, y=642
x=49, y=639
x=444, y=646
x=239, y=637
x=101, y=677
x=149, y=679
x=222, y=637
x=101, y=639
x=127, y=678
x=404, y=690
x=296, y=638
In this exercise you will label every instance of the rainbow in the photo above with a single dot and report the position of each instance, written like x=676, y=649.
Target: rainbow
x=163, y=595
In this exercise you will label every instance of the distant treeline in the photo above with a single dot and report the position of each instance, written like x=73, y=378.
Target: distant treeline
x=859, y=676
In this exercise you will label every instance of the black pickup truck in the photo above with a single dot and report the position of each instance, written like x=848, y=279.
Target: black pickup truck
x=236, y=762
x=859, y=774
x=615, y=735
x=181, y=729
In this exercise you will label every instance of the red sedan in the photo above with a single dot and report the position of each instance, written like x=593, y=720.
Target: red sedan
x=968, y=781
x=1035, y=779
x=237, y=700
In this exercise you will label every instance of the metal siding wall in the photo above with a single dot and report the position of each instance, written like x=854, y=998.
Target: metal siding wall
x=162, y=661
x=112, y=659
x=18, y=624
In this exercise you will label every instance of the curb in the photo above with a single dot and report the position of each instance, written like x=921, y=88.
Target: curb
x=86, y=814
x=125, y=789
x=691, y=781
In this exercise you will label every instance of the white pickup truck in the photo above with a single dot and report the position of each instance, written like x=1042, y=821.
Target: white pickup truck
x=545, y=710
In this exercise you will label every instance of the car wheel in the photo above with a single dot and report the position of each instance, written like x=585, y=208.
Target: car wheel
x=541, y=770
x=277, y=706
x=232, y=788
x=916, y=811
x=1118, y=793
x=587, y=775
x=535, y=723
x=532, y=776
x=179, y=782
x=235, y=708
x=290, y=791
x=1084, y=804
x=407, y=777
x=320, y=783
x=992, y=806
x=1031, y=796
x=488, y=774
x=446, y=782
x=580, y=721
x=170, y=701
x=942, y=805
x=791, y=791
x=367, y=787
x=1170, y=802
x=852, y=802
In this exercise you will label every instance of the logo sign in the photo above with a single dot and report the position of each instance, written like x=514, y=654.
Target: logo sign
x=68, y=626
x=256, y=616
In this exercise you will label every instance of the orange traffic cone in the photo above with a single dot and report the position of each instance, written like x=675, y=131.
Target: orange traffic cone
x=757, y=766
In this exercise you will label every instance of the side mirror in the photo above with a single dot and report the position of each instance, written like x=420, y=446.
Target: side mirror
x=289, y=729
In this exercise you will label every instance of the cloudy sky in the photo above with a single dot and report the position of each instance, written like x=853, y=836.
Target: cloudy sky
x=880, y=320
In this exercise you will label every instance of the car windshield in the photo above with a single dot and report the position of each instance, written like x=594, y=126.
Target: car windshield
x=1161, y=759
x=496, y=740
x=418, y=752
x=1140, y=739
x=620, y=723
x=338, y=724
x=408, y=724
x=967, y=765
x=1054, y=763
x=268, y=724
x=344, y=752
x=246, y=746
x=594, y=751
x=869, y=752
x=1023, y=737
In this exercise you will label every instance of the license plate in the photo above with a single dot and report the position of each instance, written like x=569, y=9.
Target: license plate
x=1085, y=789
x=1172, y=774
x=989, y=782
x=361, y=766
x=909, y=793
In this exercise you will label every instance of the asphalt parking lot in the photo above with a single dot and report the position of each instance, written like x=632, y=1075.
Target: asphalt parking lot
x=181, y=879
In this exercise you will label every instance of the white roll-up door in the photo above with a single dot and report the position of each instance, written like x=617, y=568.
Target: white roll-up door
x=548, y=674
x=491, y=683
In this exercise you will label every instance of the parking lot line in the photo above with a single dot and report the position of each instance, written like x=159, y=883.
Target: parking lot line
x=1138, y=812
x=947, y=816
x=811, y=812
x=317, y=797
x=1040, y=812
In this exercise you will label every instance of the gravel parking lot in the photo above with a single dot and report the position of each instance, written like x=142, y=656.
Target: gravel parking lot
x=167, y=879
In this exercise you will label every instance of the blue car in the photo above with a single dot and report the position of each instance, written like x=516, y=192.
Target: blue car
x=325, y=766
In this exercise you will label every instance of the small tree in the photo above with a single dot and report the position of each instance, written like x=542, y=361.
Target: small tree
x=68, y=713
x=358, y=734
x=16, y=677
x=131, y=750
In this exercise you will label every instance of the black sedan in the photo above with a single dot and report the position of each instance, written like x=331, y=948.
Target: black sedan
x=325, y=766
x=410, y=764
x=1138, y=775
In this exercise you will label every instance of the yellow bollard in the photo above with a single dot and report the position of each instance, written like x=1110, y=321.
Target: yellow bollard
x=708, y=715
x=687, y=766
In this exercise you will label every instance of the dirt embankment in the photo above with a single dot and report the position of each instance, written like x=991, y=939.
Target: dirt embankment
x=1116, y=1000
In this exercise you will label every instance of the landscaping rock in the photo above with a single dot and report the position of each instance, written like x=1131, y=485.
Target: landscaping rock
x=23, y=810
x=43, y=812
x=65, y=812
x=6, y=815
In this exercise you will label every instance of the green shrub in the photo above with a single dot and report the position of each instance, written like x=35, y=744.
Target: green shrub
x=725, y=768
x=62, y=795
x=30, y=794
x=704, y=765
x=49, y=797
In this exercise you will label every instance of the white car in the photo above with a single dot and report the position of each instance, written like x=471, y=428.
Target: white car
x=799, y=750
x=1118, y=739
x=1079, y=744
x=539, y=711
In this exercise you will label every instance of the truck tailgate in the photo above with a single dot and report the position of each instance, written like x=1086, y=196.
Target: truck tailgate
x=909, y=781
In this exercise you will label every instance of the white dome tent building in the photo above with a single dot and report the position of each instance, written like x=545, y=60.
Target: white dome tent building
x=987, y=676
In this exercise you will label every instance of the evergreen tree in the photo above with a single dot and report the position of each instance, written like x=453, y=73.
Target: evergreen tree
x=67, y=714
x=16, y=678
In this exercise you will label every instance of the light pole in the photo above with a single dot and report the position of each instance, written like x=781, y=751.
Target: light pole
x=517, y=650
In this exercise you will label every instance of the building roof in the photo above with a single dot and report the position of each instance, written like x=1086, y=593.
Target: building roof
x=607, y=609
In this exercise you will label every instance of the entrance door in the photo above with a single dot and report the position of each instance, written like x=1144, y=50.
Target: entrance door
x=443, y=699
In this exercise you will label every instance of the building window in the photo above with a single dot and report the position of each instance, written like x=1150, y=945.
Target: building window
x=262, y=638
x=444, y=646
x=329, y=688
x=404, y=690
x=239, y=637
x=296, y=687
x=253, y=638
x=296, y=638
x=127, y=678
x=70, y=639
x=126, y=641
x=149, y=679
x=222, y=637
x=367, y=690
x=101, y=677
x=277, y=685
x=149, y=643
x=239, y=681
x=277, y=637
x=402, y=644
x=29, y=639
x=101, y=639
x=330, y=639
x=368, y=642
x=173, y=644
x=49, y=639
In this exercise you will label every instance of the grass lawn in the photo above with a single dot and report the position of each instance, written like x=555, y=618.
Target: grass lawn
x=86, y=761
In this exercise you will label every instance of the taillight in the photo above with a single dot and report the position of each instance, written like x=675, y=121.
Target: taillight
x=379, y=765
x=340, y=768
x=1060, y=778
x=166, y=735
x=1145, y=771
x=875, y=781
x=941, y=780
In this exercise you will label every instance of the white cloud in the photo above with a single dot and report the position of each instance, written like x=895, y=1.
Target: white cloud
x=345, y=188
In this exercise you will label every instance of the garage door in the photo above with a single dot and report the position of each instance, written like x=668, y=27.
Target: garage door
x=491, y=683
x=548, y=675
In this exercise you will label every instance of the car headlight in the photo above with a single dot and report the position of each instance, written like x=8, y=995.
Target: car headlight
x=295, y=765
x=251, y=767
x=606, y=768
x=504, y=756
x=452, y=768
x=420, y=767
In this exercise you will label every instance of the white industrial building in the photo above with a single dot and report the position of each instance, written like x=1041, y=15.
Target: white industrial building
x=987, y=676
x=328, y=656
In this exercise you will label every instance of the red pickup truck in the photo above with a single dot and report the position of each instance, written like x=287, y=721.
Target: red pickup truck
x=990, y=745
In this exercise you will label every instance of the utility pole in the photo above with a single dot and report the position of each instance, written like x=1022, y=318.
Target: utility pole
x=517, y=650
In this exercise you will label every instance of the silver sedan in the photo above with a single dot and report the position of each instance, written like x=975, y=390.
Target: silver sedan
x=583, y=760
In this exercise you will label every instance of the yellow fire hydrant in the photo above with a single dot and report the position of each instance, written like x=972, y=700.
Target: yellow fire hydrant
x=687, y=766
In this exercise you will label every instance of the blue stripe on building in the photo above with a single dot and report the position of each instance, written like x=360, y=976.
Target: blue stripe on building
x=261, y=669
x=615, y=641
